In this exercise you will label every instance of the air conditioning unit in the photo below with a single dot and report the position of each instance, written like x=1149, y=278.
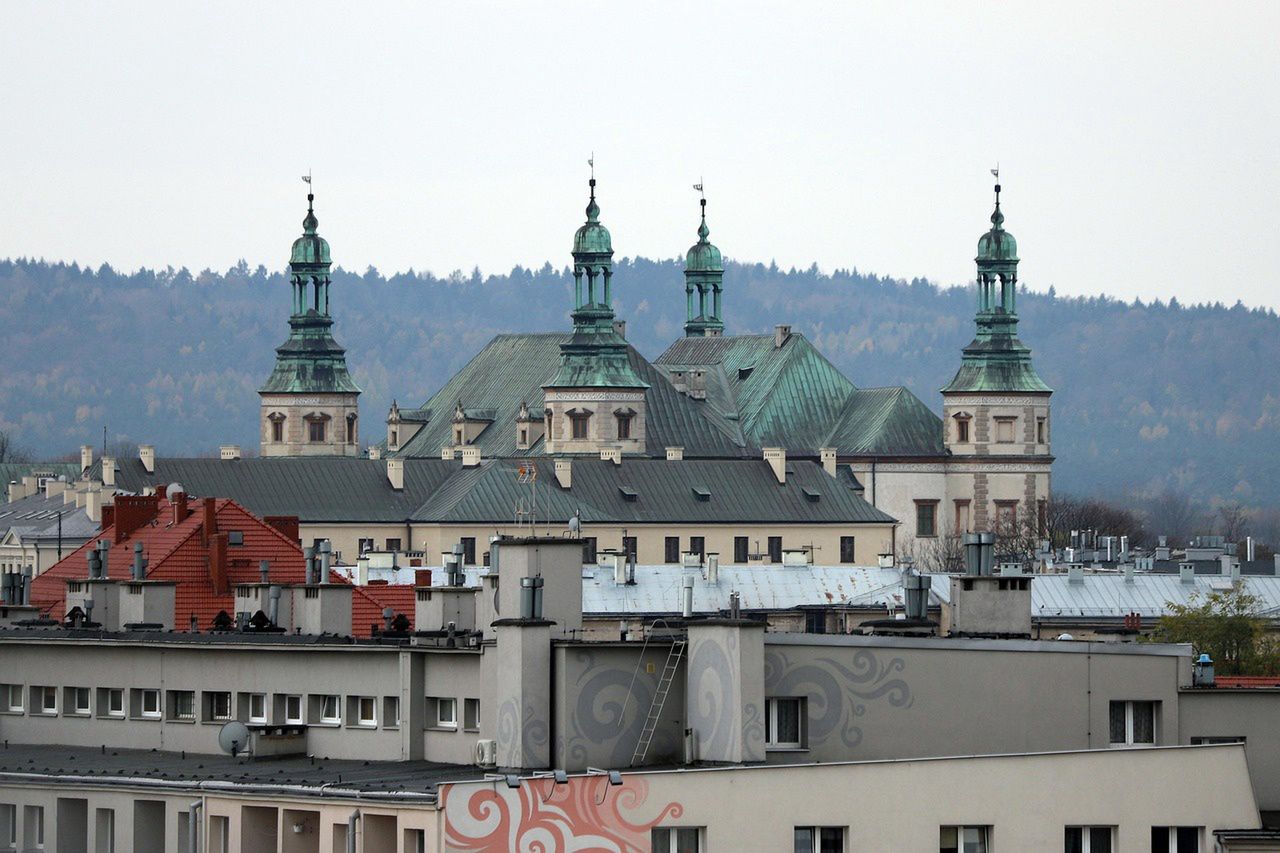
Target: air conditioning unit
x=487, y=753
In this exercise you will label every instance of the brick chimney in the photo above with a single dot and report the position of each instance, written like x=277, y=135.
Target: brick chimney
x=180, y=511
x=209, y=525
x=109, y=517
x=130, y=513
x=218, y=564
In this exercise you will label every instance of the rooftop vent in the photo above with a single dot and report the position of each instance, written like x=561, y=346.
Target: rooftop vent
x=781, y=333
x=702, y=493
x=675, y=454
x=744, y=373
x=628, y=494
x=811, y=495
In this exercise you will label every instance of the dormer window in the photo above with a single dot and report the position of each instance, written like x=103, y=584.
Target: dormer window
x=524, y=436
x=457, y=435
x=962, y=428
x=394, y=439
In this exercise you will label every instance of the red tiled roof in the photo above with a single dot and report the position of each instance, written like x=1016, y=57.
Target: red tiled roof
x=176, y=553
x=368, y=601
x=1246, y=681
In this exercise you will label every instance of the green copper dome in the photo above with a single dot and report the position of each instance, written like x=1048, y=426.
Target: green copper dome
x=310, y=248
x=592, y=237
x=997, y=244
x=702, y=255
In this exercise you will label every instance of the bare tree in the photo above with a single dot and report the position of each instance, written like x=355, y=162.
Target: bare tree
x=1233, y=521
x=9, y=452
x=1171, y=514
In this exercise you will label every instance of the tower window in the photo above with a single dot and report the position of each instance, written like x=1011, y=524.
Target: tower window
x=579, y=424
x=315, y=431
x=277, y=431
x=1041, y=431
x=524, y=437
x=351, y=429
x=457, y=435
x=962, y=429
x=624, y=426
x=962, y=516
x=1006, y=518
x=394, y=439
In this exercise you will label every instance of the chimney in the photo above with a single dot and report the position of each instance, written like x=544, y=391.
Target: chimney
x=1187, y=572
x=139, y=563
x=686, y=596
x=564, y=473
x=93, y=504
x=395, y=473
x=1128, y=572
x=210, y=521
x=86, y=456
x=619, y=569
x=264, y=571
x=713, y=568
x=1248, y=548
x=109, y=518
x=180, y=513
x=675, y=454
x=697, y=383
x=777, y=459
x=15, y=491
x=620, y=328
x=1075, y=575
x=828, y=455
x=471, y=456
x=446, y=453
x=229, y=452
x=1230, y=567
x=218, y=564
x=109, y=471
x=780, y=334
x=286, y=525
x=147, y=455
x=611, y=454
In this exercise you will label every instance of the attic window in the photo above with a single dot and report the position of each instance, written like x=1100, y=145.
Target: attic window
x=628, y=494
x=811, y=495
x=744, y=372
x=235, y=537
x=702, y=493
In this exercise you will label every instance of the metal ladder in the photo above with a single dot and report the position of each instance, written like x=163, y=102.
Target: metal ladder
x=659, y=700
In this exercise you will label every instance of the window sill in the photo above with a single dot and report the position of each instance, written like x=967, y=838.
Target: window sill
x=474, y=731
x=180, y=721
x=786, y=749
x=365, y=726
x=328, y=724
x=926, y=536
x=449, y=729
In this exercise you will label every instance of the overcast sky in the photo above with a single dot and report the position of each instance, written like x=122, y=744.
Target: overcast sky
x=1138, y=142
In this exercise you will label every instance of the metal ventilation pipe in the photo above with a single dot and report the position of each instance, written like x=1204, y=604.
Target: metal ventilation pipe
x=713, y=568
x=309, y=558
x=326, y=552
x=686, y=592
x=387, y=615
x=139, y=563
x=104, y=546
x=26, y=585
x=735, y=605
x=459, y=560
x=87, y=607
x=916, y=592
x=264, y=571
x=194, y=823
x=620, y=569
x=972, y=554
x=273, y=610
x=988, y=541
x=1248, y=548
x=531, y=598
x=95, y=563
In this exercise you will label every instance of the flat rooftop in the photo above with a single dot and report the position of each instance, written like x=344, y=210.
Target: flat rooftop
x=74, y=765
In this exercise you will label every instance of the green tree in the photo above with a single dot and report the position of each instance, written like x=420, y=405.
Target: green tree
x=1225, y=625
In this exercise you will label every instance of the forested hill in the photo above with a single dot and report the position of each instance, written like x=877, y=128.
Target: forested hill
x=1146, y=396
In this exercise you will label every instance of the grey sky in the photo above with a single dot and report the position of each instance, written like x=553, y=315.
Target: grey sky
x=1138, y=145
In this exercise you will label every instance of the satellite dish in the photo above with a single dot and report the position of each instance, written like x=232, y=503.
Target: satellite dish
x=233, y=737
x=575, y=523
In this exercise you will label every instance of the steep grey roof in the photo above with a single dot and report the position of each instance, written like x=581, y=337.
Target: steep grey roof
x=512, y=369
x=742, y=491
x=36, y=517
x=886, y=422
x=317, y=488
x=15, y=471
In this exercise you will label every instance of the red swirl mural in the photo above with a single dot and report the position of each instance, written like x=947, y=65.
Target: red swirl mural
x=587, y=814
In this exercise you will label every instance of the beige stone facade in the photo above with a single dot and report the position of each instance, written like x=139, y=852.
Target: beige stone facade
x=587, y=420
x=310, y=425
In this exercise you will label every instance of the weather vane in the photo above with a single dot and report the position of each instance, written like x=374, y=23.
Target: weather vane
x=591, y=161
x=698, y=187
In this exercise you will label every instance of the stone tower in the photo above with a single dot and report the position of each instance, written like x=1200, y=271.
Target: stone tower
x=310, y=405
x=704, y=273
x=596, y=399
x=996, y=409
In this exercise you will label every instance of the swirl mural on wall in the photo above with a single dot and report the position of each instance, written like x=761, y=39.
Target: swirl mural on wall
x=838, y=693
x=713, y=711
x=543, y=817
x=532, y=750
x=603, y=725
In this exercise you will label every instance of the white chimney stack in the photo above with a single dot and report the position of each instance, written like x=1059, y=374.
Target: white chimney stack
x=780, y=334
x=777, y=459
x=828, y=455
x=713, y=568
x=470, y=456
x=395, y=473
x=611, y=454
x=229, y=452
x=564, y=473
x=675, y=454
x=86, y=456
x=147, y=455
x=109, y=471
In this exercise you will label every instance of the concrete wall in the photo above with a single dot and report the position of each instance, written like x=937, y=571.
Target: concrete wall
x=1245, y=713
x=881, y=697
x=1026, y=801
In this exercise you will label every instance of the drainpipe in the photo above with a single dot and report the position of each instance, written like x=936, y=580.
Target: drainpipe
x=873, y=482
x=351, y=830
x=193, y=827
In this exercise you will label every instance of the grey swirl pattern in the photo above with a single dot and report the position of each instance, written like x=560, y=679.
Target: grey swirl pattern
x=712, y=706
x=596, y=729
x=838, y=693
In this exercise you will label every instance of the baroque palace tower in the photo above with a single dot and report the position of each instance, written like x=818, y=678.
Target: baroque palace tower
x=703, y=272
x=596, y=399
x=309, y=404
x=996, y=409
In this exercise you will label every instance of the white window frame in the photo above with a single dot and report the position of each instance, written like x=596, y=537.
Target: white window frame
x=668, y=845
x=1086, y=844
x=467, y=704
x=1173, y=836
x=114, y=693
x=12, y=706
x=145, y=694
x=34, y=815
x=330, y=715
x=443, y=721
x=1129, y=705
x=78, y=709
x=985, y=840
x=817, y=836
x=43, y=707
x=370, y=721
x=771, y=740
x=293, y=719
x=261, y=715
x=11, y=810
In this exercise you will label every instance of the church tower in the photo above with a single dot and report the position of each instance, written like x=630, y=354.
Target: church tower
x=996, y=409
x=309, y=404
x=596, y=400
x=703, y=272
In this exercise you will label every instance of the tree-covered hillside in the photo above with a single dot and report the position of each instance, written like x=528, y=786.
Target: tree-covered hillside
x=1147, y=397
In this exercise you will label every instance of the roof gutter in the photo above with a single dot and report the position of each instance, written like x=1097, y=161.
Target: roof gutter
x=222, y=787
